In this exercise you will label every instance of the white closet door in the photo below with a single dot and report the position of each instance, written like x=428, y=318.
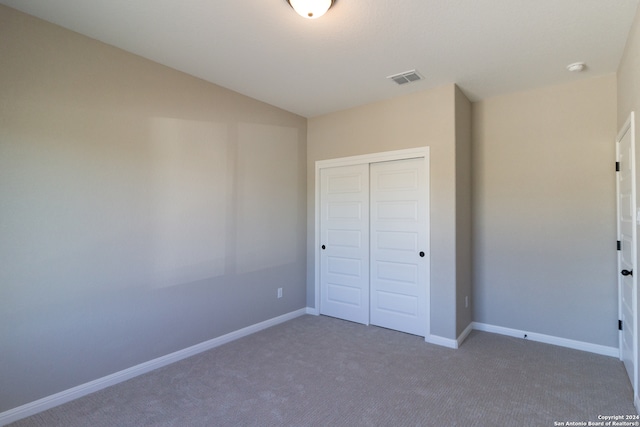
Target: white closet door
x=399, y=245
x=344, y=235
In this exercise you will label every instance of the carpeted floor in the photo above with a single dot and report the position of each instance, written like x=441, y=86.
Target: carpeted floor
x=320, y=371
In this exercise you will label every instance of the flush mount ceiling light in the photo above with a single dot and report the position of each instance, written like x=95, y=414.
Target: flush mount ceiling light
x=576, y=67
x=311, y=9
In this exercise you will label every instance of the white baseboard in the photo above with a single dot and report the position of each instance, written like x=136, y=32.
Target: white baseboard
x=65, y=396
x=448, y=342
x=313, y=311
x=463, y=336
x=438, y=340
x=548, y=339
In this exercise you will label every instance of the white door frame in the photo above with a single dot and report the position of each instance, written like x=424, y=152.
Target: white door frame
x=629, y=126
x=411, y=153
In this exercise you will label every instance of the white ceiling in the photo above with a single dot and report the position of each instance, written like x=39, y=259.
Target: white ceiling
x=263, y=49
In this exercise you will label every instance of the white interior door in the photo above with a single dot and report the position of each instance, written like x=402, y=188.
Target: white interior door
x=344, y=236
x=627, y=278
x=399, y=245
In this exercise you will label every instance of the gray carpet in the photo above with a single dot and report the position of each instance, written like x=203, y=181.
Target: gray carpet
x=320, y=371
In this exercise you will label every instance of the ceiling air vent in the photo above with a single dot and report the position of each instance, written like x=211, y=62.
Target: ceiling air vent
x=406, y=77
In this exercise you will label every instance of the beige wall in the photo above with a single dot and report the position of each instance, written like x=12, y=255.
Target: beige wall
x=464, y=212
x=142, y=210
x=628, y=72
x=629, y=98
x=544, y=211
x=421, y=119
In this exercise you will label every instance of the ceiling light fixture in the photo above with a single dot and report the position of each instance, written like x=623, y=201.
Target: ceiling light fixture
x=311, y=9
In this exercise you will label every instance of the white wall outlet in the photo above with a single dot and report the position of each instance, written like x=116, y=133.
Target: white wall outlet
x=466, y=302
x=279, y=292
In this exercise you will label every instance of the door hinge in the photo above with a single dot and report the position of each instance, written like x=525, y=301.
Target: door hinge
x=619, y=325
x=619, y=245
x=617, y=166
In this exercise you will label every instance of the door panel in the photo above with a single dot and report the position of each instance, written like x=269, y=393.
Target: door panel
x=398, y=210
x=399, y=274
x=344, y=233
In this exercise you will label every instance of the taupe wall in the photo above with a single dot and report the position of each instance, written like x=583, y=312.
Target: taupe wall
x=628, y=77
x=421, y=119
x=142, y=210
x=544, y=211
x=629, y=95
x=463, y=213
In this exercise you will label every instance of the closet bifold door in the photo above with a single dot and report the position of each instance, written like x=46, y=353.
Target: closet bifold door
x=399, y=246
x=344, y=240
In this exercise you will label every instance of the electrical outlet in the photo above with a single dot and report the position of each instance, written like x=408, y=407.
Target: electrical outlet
x=466, y=302
x=279, y=292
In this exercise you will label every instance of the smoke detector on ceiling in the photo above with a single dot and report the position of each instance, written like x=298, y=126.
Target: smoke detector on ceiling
x=576, y=67
x=406, y=77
